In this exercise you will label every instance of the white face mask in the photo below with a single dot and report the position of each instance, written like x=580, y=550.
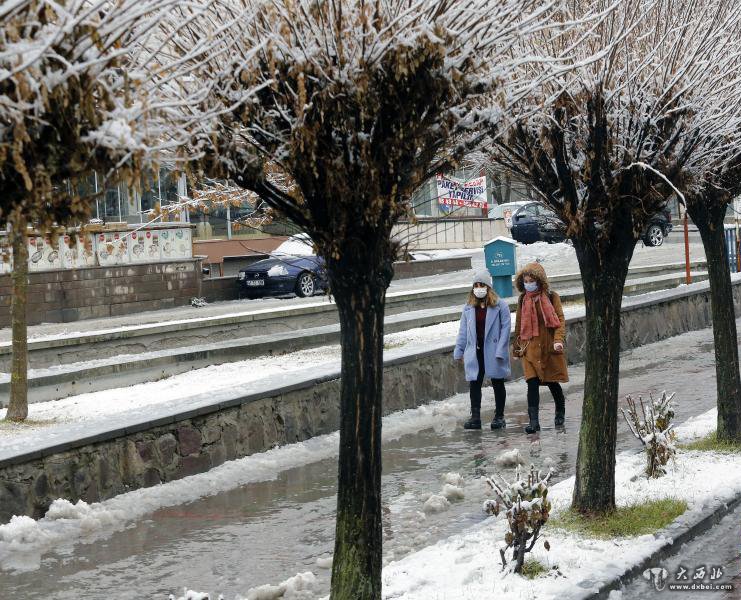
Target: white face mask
x=480, y=292
x=531, y=287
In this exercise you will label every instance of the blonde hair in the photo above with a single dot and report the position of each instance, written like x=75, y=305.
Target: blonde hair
x=491, y=298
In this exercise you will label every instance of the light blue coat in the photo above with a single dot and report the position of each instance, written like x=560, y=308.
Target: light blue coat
x=496, y=342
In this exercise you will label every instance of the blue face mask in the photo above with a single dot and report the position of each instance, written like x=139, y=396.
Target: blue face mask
x=531, y=287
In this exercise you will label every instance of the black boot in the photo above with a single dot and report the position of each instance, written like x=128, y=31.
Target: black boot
x=560, y=401
x=560, y=414
x=475, y=421
x=498, y=422
x=534, y=424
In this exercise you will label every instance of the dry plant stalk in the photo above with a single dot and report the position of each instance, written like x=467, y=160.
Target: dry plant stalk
x=652, y=425
x=527, y=509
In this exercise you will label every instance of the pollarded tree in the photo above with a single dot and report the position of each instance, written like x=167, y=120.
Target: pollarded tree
x=600, y=144
x=355, y=101
x=709, y=182
x=69, y=105
x=707, y=205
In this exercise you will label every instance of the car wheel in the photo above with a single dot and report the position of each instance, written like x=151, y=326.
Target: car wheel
x=305, y=285
x=654, y=236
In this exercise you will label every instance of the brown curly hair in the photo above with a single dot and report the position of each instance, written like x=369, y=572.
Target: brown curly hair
x=537, y=272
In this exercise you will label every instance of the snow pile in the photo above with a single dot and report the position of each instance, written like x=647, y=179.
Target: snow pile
x=510, y=458
x=296, y=245
x=324, y=562
x=191, y=595
x=453, y=492
x=21, y=530
x=544, y=253
x=454, y=479
x=298, y=587
x=435, y=504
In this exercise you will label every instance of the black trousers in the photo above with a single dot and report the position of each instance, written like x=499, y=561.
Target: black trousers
x=533, y=393
x=474, y=388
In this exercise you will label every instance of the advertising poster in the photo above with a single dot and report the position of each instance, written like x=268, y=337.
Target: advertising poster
x=77, y=251
x=175, y=244
x=456, y=193
x=43, y=255
x=112, y=248
x=144, y=246
x=6, y=256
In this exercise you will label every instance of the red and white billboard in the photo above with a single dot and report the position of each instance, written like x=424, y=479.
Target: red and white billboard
x=452, y=191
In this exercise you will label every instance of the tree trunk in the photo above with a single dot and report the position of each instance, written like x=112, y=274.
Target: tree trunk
x=18, y=406
x=709, y=216
x=603, y=272
x=360, y=298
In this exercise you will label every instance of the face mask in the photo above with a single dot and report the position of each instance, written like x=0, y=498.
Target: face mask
x=480, y=292
x=531, y=287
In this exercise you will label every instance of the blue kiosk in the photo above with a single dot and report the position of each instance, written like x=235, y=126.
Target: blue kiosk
x=501, y=262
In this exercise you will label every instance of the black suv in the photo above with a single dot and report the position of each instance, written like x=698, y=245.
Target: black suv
x=535, y=222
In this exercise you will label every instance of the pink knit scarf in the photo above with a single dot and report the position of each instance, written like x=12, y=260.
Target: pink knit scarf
x=529, y=326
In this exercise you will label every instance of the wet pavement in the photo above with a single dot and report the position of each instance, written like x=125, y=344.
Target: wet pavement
x=713, y=559
x=266, y=532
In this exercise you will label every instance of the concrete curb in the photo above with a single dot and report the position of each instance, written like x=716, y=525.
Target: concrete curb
x=677, y=533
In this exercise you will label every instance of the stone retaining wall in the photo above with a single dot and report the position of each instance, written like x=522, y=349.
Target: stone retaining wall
x=196, y=441
x=75, y=294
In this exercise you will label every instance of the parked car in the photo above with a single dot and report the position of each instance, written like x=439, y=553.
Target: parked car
x=535, y=222
x=658, y=228
x=300, y=275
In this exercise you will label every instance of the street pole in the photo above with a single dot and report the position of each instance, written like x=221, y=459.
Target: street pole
x=687, y=248
x=738, y=238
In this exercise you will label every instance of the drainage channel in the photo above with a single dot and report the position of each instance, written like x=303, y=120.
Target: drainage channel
x=268, y=531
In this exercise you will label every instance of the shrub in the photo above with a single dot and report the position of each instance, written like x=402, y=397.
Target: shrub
x=652, y=425
x=527, y=509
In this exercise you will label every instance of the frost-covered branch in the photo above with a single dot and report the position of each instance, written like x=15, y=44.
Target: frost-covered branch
x=527, y=508
x=652, y=83
x=652, y=426
x=73, y=101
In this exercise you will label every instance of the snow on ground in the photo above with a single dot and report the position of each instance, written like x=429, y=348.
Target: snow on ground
x=48, y=421
x=467, y=566
x=541, y=252
x=23, y=540
x=577, y=564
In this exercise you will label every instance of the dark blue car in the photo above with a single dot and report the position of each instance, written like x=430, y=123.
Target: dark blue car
x=300, y=275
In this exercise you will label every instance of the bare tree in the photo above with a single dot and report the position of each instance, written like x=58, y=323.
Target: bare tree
x=709, y=182
x=68, y=106
x=358, y=102
x=601, y=144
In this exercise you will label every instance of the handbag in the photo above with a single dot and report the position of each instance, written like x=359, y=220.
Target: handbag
x=518, y=349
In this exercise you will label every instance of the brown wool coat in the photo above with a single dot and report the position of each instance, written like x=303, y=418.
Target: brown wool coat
x=539, y=359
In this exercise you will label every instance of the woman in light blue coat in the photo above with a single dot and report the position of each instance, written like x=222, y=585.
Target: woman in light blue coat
x=483, y=345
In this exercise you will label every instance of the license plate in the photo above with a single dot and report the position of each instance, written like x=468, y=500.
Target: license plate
x=255, y=282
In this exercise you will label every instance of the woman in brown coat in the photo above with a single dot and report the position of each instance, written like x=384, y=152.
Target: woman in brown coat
x=540, y=332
